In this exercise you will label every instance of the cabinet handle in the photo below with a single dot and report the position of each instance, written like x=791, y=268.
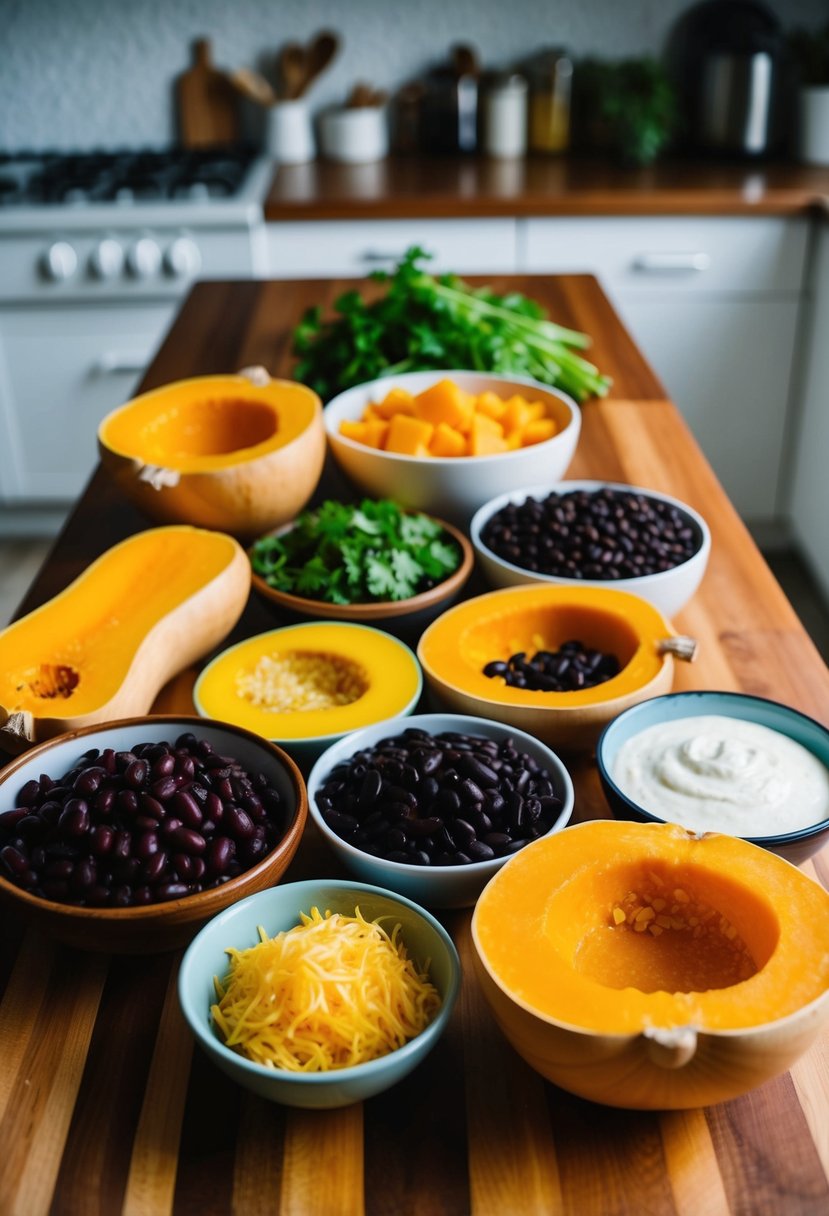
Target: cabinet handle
x=671, y=263
x=376, y=255
x=115, y=363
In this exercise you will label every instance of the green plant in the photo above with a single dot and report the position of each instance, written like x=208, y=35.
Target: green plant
x=628, y=107
x=423, y=322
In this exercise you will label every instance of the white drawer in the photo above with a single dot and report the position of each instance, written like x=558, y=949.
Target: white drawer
x=731, y=254
x=353, y=248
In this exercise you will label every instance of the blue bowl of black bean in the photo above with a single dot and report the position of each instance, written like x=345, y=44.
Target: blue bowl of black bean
x=605, y=534
x=433, y=805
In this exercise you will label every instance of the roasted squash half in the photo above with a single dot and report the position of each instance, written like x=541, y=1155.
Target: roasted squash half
x=218, y=451
x=643, y=966
x=454, y=650
x=102, y=649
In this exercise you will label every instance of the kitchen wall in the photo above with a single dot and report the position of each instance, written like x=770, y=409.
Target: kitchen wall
x=100, y=72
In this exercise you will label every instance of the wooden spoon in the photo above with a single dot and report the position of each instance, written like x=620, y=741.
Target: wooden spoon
x=292, y=66
x=321, y=51
x=253, y=86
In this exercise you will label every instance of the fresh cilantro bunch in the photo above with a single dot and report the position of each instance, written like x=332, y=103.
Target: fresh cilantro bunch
x=423, y=323
x=348, y=554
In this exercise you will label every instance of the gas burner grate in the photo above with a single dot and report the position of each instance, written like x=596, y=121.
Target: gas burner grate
x=123, y=176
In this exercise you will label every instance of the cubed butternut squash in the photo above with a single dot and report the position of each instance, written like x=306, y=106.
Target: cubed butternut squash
x=446, y=441
x=538, y=431
x=396, y=401
x=486, y=437
x=445, y=402
x=409, y=436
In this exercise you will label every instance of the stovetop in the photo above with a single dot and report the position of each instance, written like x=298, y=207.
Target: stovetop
x=124, y=177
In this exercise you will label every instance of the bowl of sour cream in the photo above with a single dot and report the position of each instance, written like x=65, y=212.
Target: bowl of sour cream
x=721, y=762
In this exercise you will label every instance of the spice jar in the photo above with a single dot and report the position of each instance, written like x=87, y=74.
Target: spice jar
x=504, y=116
x=551, y=77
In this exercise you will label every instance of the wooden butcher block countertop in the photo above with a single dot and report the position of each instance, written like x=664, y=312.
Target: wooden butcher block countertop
x=106, y=1106
x=403, y=187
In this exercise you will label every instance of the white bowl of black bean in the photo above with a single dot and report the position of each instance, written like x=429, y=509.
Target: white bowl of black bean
x=594, y=533
x=432, y=805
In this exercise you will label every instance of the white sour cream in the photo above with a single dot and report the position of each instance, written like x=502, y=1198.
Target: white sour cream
x=718, y=774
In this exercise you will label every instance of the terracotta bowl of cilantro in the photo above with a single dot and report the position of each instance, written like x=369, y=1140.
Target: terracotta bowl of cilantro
x=371, y=561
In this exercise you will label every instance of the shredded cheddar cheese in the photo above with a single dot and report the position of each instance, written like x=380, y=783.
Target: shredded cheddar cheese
x=332, y=992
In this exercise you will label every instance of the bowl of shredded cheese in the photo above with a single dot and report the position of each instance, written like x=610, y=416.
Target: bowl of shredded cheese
x=319, y=993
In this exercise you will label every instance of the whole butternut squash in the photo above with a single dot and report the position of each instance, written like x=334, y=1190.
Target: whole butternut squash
x=103, y=648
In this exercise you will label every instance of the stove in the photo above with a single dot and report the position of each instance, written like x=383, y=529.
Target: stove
x=97, y=250
x=116, y=223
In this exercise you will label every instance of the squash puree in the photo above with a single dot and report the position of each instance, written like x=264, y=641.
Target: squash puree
x=615, y=927
x=179, y=427
x=103, y=617
x=457, y=646
x=380, y=674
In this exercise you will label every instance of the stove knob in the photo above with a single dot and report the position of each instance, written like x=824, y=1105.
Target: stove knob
x=106, y=261
x=144, y=258
x=182, y=259
x=60, y=261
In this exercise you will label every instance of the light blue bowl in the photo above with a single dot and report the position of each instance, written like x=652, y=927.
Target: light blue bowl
x=793, y=846
x=277, y=909
x=455, y=886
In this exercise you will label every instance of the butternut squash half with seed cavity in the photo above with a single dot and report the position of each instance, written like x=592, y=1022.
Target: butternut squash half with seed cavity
x=643, y=966
x=242, y=454
x=103, y=648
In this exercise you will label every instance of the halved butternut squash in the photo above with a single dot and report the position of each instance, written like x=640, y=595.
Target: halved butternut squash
x=103, y=648
x=242, y=454
x=644, y=966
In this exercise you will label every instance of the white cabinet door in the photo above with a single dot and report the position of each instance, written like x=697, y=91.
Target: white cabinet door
x=324, y=249
x=726, y=364
x=50, y=407
x=713, y=304
x=687, y=254
x=809, y=490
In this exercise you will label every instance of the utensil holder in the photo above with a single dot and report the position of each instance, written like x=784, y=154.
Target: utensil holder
x=356, y=135
x=289, y=135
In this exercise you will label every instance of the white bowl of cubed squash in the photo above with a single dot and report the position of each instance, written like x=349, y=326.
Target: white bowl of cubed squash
x=447, y=441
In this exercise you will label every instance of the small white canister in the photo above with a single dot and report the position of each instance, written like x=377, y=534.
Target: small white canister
x=289, y=135
x=356, y=135
x=504, y=117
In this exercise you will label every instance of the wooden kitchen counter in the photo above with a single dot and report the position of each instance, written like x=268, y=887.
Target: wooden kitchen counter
x=403, y=187
x=105, y=1105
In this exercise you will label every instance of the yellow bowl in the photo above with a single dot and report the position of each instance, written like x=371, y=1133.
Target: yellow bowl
x=374, y=675
x=456, y=647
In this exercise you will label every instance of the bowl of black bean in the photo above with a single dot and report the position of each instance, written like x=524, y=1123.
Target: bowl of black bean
x=431, y=806
x=594, y=532
x=127, y=837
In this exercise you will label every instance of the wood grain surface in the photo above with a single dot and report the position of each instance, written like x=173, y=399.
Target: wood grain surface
x=461, y=186
x=106, y=1107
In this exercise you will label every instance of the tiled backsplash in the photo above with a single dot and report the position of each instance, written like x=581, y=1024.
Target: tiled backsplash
x=100, y=72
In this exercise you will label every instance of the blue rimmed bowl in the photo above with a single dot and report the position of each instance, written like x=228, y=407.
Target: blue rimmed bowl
x=426, y=941
x=795, y=846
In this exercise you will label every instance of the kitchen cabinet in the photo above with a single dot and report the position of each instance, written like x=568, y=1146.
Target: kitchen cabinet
x=50, y=407
x=809, y=500
x=714, y=304
x=321, y=249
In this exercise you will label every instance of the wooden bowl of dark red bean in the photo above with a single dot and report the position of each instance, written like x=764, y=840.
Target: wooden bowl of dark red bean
x=433, y=805
x=591, y=532
x=128, y=837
